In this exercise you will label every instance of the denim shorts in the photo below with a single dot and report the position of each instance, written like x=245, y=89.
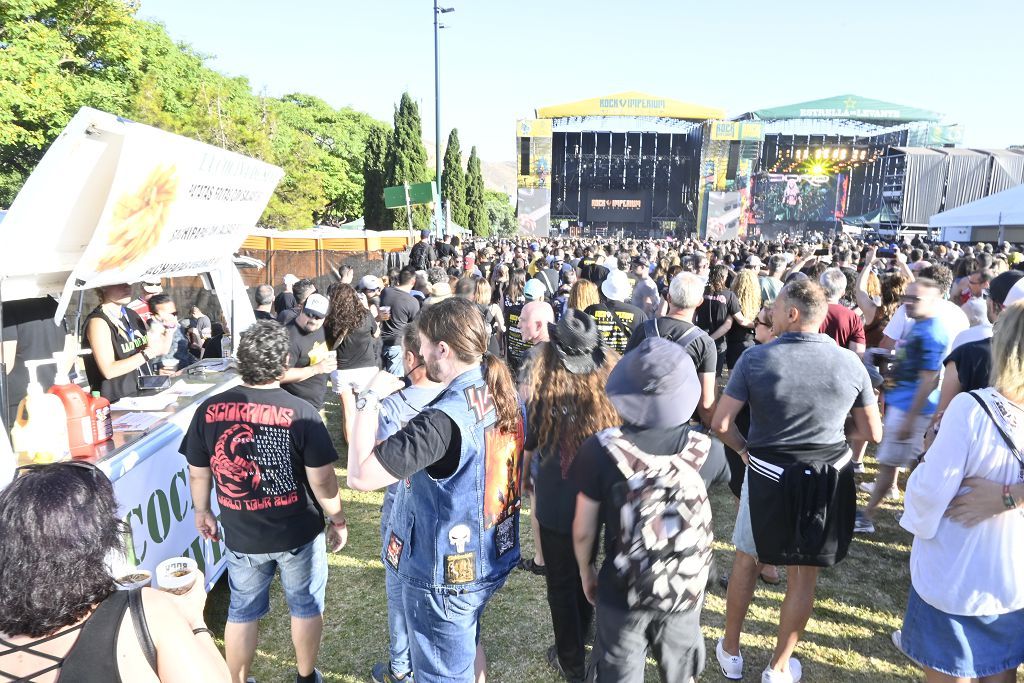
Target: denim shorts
x=444, y=626
x=743, y=532
x=303, y=578
x=967, y=647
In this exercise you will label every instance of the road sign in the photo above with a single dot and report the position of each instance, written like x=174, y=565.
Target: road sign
x=419, y=193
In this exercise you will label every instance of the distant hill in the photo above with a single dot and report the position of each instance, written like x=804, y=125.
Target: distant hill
x=498, y=175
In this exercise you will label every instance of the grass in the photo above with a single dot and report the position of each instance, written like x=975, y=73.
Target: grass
x=859, y=603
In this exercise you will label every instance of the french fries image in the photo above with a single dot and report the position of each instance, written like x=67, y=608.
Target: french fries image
x=138, y=219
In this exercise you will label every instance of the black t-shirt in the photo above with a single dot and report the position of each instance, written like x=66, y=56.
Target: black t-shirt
x=716, y=309
x=701, y=349
x=288, y=315
x=404, y=309
x=264, y=315
x=429, y=441
x=258, y=442
x=614, y=333
x=973, y=364
x=284, y=301
x=596, y=476
x=29, y=322
x=300, y=345
x=359, y=347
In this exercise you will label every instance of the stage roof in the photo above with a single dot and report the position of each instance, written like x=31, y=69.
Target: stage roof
x=852, y=107
x=631, y=103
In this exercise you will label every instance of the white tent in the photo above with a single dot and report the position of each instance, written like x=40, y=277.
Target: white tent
x=982, y=220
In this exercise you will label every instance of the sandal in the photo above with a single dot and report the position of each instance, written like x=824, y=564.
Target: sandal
x=771, y=582
x=528, y=565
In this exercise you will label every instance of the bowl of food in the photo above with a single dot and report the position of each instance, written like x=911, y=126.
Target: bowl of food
x=134, y=578
x=176, y=575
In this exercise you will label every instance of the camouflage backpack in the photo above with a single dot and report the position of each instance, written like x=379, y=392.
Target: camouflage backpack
x=664, y=548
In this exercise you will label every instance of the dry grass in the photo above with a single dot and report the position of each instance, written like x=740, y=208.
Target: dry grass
x=858, y=604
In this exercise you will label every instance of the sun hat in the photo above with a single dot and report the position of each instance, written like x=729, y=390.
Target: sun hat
x=577, y=342
x=616, y=286
x=655, y=385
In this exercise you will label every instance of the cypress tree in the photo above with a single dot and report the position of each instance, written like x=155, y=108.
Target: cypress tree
x=453, y=181
x=375, y=165
x=407, y=160
x=479, y=221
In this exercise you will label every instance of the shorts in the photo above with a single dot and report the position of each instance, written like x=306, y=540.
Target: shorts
x=894, y=452
x=624, y=637
x=355, y=379
x=966, y=647
x=303, y=578
x=743, y=531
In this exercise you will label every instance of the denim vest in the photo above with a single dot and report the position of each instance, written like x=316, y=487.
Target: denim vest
x=462, y=532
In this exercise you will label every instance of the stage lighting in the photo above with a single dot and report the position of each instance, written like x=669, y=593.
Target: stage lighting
x=818, y=169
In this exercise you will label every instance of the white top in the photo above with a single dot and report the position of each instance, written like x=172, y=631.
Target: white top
x=973, y=334
x=959, y=570
x=949, y=314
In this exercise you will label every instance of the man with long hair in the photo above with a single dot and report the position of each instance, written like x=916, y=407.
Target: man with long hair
x=453, y=533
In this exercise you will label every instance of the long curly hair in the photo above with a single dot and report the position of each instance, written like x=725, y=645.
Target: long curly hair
x=58, y=523
x=345, y=314
x=717, y=277
x=564, y=409
x=893, y=287
x=748, y=291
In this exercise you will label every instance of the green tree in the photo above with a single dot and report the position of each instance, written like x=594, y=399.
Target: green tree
x=407, y=160
x=375, y=156
x=475, y=198
x=501, y=215
x=453, y=181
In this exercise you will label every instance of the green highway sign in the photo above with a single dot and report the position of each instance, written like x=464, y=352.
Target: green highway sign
x=419, y=193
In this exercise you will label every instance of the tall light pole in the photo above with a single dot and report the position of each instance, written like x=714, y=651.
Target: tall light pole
x=438, y=11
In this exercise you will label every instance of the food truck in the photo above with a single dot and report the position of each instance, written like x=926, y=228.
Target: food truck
x=116, y=201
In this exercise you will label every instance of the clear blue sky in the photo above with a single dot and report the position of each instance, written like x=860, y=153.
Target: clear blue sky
x=501, y=59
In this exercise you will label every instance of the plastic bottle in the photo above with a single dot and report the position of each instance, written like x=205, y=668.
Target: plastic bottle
x=99, y=409
x=81, y=430
x=41, y=436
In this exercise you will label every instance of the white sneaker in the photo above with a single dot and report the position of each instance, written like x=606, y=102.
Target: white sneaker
x=869, y=488
x=732, y=666
x=795, y=673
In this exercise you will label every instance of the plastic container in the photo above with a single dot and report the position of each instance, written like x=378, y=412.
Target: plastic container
x=176, y=575
x=40, y=433
x=80, y=418
x=99, y=409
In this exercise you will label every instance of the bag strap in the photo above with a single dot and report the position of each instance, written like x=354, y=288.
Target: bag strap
x=141, y=627
x=689, y=336
x=651, y=328
x=1017, y=455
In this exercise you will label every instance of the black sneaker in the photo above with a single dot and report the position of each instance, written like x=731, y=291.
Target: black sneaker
x=317, y=676
x=382, y=673
x=553, y=662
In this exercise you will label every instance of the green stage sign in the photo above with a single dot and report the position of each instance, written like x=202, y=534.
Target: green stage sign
x=419, y=193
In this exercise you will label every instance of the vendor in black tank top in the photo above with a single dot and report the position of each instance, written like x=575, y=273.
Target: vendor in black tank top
x=121, y=346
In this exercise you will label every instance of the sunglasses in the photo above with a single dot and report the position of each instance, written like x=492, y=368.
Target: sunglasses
x=313, y=316
x=910, y=299
x=764, y=323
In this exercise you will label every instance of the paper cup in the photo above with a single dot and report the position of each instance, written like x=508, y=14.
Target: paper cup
x=169, y=363
x=134, y=578
x=176, y=575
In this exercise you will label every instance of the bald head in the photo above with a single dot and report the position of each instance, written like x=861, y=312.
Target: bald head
x=533, y=321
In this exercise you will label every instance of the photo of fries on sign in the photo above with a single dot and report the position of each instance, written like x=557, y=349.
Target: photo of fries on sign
x=138, y=219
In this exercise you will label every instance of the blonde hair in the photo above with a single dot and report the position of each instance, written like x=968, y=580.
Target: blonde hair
x=1008, y=353
x=583, y=295
x=748, y=291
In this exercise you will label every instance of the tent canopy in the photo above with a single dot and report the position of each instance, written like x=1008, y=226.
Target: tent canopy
x=1003, y=208
x=631, y=103
x=852, y=107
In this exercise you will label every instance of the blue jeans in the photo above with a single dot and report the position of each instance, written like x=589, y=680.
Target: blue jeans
x=392, y=360
x=401, y=661
x=303, y=578
x=444, y=626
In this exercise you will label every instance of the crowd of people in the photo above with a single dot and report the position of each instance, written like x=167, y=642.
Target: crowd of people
x=609, y=383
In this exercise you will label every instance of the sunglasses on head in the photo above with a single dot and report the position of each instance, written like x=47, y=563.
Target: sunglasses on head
x=35, y=467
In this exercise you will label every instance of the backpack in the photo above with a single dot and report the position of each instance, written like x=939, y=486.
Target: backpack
x=651, y=330
x=663, y=555
x=418, y=256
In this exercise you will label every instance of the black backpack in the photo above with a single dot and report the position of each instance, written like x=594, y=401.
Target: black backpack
x=418, y=256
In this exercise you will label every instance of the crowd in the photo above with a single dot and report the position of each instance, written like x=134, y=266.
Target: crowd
x=609, y=382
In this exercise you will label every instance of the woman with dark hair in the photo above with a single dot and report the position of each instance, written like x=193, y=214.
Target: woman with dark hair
x=878, y=308
x=453, y=532
x=511, y=308
x=58, y=528
x=720, y=311
x=352, y=332
x=564, y=388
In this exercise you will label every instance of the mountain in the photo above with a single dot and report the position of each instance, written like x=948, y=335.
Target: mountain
x=498, y=175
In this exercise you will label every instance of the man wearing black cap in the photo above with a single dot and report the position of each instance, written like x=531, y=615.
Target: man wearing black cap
x=646, y=597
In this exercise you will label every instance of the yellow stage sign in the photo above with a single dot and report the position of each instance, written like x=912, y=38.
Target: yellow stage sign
x=533, y=128
x=632, y=103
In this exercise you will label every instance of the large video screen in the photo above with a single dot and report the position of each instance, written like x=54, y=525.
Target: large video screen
x=533, y=210
x=781, y=197
x=617, y=206
x=725, y=210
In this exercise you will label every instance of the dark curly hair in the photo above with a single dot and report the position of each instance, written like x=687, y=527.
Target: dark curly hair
x=263, y=352
x=345, y=314
x=58, y=523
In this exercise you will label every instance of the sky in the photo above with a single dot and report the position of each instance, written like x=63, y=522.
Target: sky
x=500, y=60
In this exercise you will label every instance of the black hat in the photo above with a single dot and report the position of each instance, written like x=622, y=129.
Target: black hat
x=577, y=342
x=655, y=385
x=1001, y=285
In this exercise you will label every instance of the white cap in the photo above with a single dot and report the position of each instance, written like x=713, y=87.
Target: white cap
x=290, y=279
x=1015, y=294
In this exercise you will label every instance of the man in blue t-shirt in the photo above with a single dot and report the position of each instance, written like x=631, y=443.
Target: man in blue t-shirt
x=395, y=411
x=912, y=401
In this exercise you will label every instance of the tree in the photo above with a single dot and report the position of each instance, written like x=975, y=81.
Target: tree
x=453, y=181
x=475, y=199
x=407, y=160
x=375, y=157
x=501, y=215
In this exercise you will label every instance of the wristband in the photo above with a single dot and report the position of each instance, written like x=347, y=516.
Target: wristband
x=202, y=629
x=1008, y=499
x=146, y=357
x=336, y=524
